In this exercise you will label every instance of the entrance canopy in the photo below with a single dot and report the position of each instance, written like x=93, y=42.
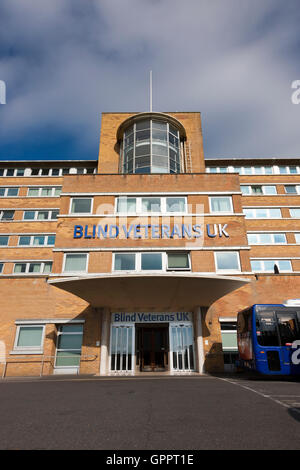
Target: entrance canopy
x=168, y=291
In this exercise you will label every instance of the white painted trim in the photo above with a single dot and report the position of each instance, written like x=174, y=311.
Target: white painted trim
x=23, y=349
x=227, y=319
x=220, y=212
x=46, y=321
x=226, y=270
x=155, y=193
x=153, y=214
x=153, y=248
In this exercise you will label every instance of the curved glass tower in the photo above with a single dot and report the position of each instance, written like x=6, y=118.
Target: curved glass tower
x=151, y=143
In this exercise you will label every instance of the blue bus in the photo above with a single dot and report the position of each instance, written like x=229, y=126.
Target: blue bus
x=265, y=336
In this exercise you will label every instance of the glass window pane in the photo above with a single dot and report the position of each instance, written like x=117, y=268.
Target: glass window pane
x=265, y=238
x=178, y=260
x=143, y=136
x=72, y=328
x=124, y=262
x=220, y=204
x=256, y=265
x=268, y=170
x=126, y=204
x=54, y=215
x=293, y=170
x=279, y=238
x=51, y=240
x=247, y=170
x=297, y=237
x=245, y=189
x=175, y=204
x=12, y=192
x=249, y=213
x=284, y=265
x=46, y=192
x=66, y=341
x=55, y=171
x=290, y=189
x=227, y=260
x=229, y=341
x=34, y=268
x=20, y=268
x=151, y=261
x=47, y=267
x=144, y=124
x=3, y=240
x=282, y=170
x=159, y=135
x=75, y=262
x=45, y=171
x=10, y=172
x=24, y=240
x=261, y=213
x=256, y=189
x=67, y=358
x=43, y=215
x=29, y=215
x=295, y=213
x=81, y=206
x=275, y=213
x=151, y=204
x=8, y=215
x=33, y=192
x=270, y=190
x=35, y=171
x=252, y=238
x=20, y=172
x=39, y=240
x=30, y=336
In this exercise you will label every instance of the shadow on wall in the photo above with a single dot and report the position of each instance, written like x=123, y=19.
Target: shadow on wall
x=213, y=360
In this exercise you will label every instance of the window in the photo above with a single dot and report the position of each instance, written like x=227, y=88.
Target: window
x=81, y=206
x=7, y=215
x=227, y=261
x=1, y=267
x=151, y=261
x=151, y=204
x=268, y=265
x=29, y=338
x=297, y=237
x=124, y=262
x=258, y=189
x=9, y=192
x=75, y=262
x=36, y=240
x=220, y=204
x=162, y=205
x=292, y=189
x=69, y=343
x=295, y=213
x=266, y=238
x=44, y=192
x=178, y=261
x=175, y=204
x=4, y=240
x=41, y=215
x=262, y=213
x=33, y=267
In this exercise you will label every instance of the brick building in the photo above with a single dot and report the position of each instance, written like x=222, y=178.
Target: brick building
x=139, y=261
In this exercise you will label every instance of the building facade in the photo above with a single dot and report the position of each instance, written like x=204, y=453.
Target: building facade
x=139, y=261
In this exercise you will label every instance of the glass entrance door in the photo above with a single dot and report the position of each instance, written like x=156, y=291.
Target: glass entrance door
x=122, y=348
x=182, y=347
x=153, y=348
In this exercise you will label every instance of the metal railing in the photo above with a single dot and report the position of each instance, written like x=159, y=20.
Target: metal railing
x=4, y=361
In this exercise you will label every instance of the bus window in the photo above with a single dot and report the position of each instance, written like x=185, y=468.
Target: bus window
x=266, y=330
x=287, y=326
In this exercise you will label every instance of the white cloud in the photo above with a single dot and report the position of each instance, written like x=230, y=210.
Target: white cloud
x=66, y=61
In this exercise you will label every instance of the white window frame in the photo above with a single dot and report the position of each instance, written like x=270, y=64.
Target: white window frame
x=41, y=188
x=81, y=213
x=31, y=244
x=272, y=234
x=163, y=205
x=275, y=261
x=6, y=189
x=60, y=333
x=76, y=253
x=292, y=208
x=177, y=253
x=220, y=212
x=28, y=263
x=138, y=261
x=36, y=214
x=7, y=210
x=267, y=209
x=29, y=349
x=263, y=188
x=216, y=253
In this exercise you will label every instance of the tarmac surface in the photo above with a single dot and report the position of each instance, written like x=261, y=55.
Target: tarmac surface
x=150, y=413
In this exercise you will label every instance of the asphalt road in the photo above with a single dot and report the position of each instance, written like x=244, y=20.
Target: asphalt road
x=192, y=413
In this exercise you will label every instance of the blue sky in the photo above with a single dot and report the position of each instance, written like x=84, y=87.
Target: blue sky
x=65, y=62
